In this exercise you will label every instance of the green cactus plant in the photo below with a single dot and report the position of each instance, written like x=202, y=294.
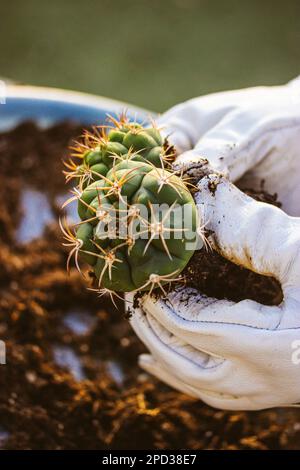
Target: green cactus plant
x=137, y=217
x=99, y=150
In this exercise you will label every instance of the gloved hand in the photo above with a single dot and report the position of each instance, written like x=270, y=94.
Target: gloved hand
x=236, y=355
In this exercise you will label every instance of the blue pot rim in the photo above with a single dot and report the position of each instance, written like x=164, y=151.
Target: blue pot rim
x=48, y=106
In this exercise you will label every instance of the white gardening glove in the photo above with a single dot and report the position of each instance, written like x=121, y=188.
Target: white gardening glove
x=236, y=355
x=252, y=133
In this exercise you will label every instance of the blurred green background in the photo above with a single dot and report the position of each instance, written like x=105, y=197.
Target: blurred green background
x=152, y=53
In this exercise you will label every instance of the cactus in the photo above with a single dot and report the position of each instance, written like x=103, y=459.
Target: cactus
x=133, y=232
x=99, y=150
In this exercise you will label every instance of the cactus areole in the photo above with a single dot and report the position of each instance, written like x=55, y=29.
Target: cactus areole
x=139, y=221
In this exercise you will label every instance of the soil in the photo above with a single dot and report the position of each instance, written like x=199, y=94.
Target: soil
x=71, y=379
x=217, y=277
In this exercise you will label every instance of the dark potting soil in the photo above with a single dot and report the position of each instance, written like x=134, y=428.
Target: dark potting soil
x=217, y=277
x=71, y=378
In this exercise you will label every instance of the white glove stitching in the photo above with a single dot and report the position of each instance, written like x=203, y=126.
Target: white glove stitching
x=235, y=323
x=221, y=360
